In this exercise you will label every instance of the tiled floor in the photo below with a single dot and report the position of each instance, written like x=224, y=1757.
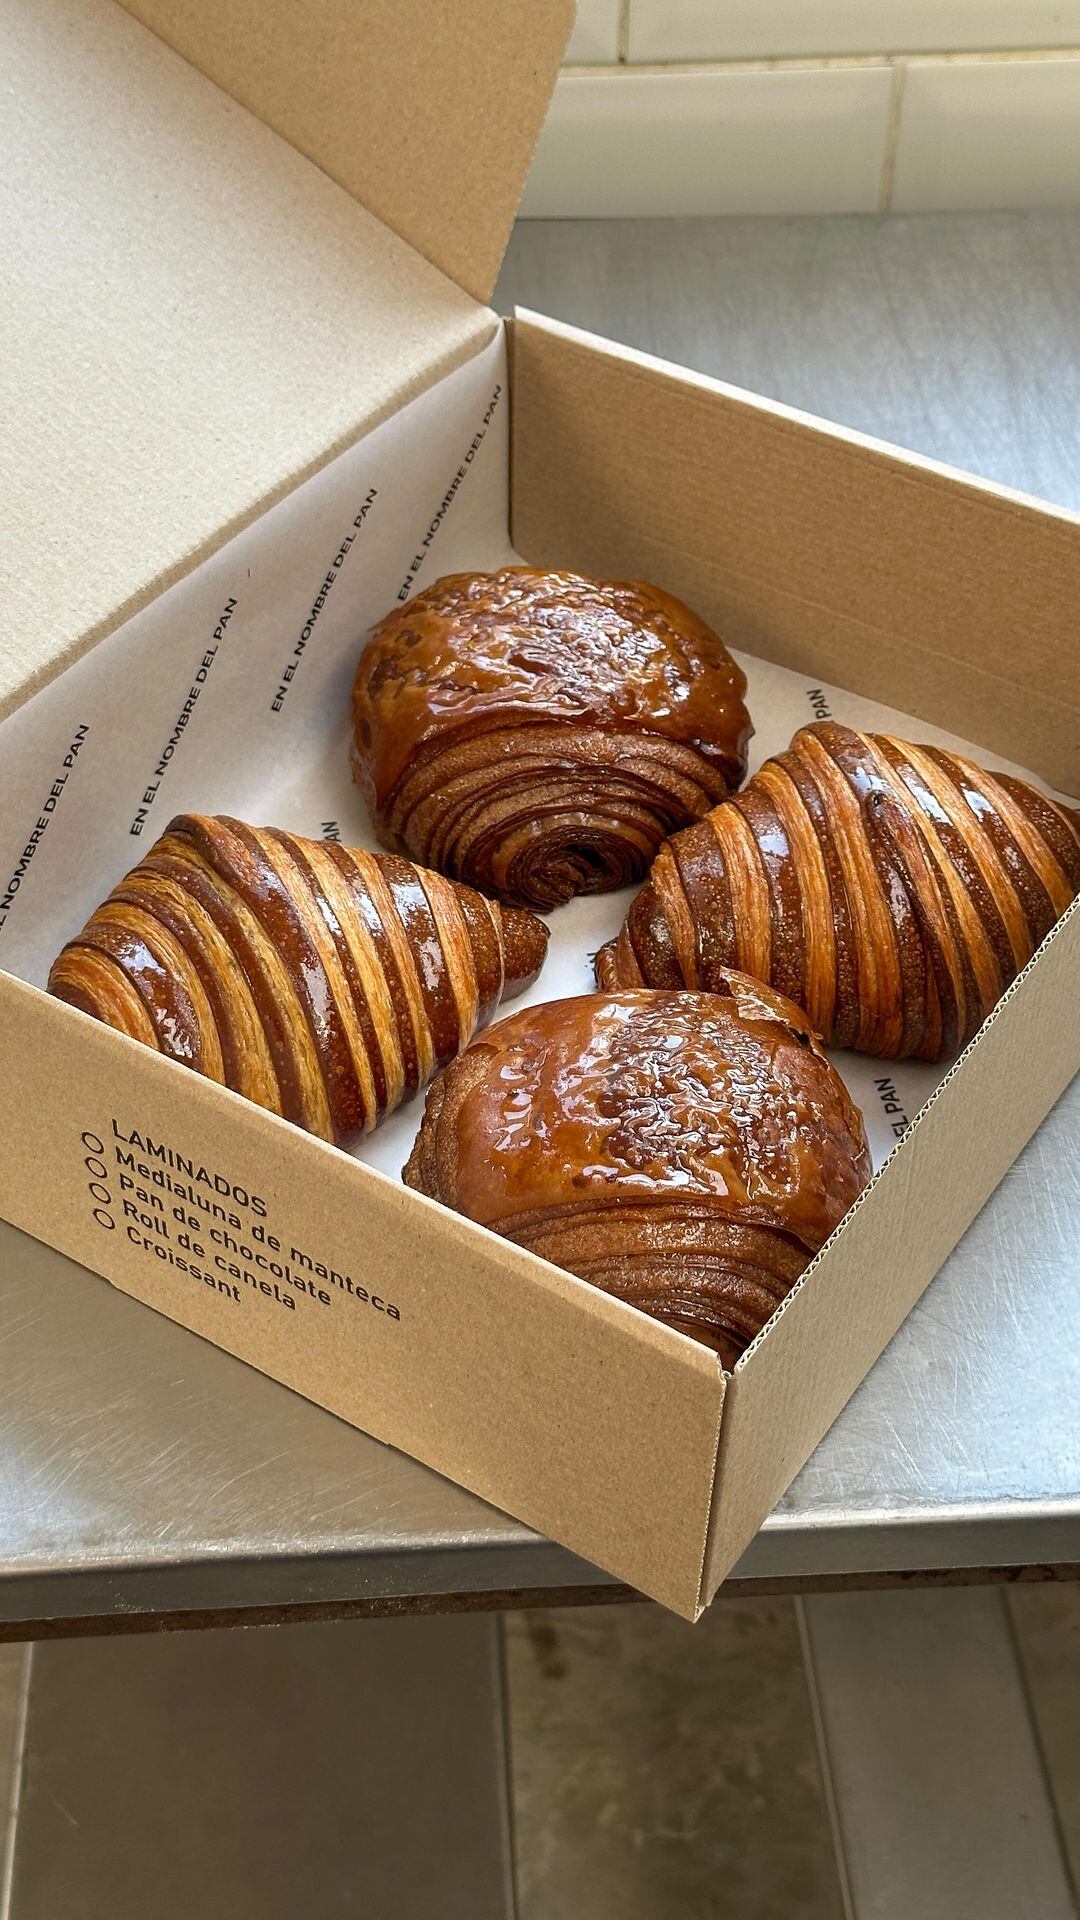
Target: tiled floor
x=1047, y=1624
x=666, y=1772
x=662, y=1771
x=658, y=1771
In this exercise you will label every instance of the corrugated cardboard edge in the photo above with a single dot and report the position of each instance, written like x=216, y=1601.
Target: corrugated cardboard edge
x=802, y=542
x=868, y=1277
x=588, y=1420
x=426, y=115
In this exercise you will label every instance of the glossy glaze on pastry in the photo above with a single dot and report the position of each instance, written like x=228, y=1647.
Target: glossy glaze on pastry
x=687, y=1152
x=322, y=982
x=538, y=734
x=893, y=890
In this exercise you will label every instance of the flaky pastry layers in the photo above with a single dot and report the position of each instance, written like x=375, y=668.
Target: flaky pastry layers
x=687, y=1152
x=894, y=891
x=538, y=734
x=322, y=982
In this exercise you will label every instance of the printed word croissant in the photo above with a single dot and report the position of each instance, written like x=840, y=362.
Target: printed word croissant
x=319, y=981
x=687, y=1152
x=538, y=734
x=893, y=891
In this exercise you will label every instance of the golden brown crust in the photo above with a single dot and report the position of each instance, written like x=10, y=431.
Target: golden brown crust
x=688, y=1152
x=538, y=734
x=893, y=890
x=319, y=981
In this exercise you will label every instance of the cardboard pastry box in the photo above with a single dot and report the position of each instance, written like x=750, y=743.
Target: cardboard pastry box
x=257, y=397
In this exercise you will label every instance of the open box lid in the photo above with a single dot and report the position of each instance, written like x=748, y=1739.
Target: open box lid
x=218, y=279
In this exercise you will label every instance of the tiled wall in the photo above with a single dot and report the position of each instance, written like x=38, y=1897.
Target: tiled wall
x=813, y=106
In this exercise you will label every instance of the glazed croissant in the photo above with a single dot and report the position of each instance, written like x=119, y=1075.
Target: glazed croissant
x=324, y=983
x=687, y=1152
x=538, y=734
x=893, y=891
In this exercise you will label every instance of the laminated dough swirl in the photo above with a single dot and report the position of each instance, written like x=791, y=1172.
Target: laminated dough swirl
x=894, y=891
x=539, y=734
x=324, y=983
x=686, y=1152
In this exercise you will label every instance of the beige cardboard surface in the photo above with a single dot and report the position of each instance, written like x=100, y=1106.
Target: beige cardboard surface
x=427, y=114
x=195, y=317
x=789, y=1387
x=560, y=1405
x=567, y=1408
x=947, y=597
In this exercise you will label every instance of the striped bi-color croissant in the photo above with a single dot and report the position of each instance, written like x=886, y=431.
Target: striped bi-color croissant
x=322, y=982
x=892, y=891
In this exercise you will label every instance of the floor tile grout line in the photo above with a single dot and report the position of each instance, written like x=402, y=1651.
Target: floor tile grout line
x=823, y=1762
x=1016, y=1643
x=502, y=1669
x=10, y=1813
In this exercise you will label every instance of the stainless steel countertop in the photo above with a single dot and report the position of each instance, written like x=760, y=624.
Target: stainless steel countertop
x=141, y=1471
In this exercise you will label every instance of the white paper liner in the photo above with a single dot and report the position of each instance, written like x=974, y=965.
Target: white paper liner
x=230, y=694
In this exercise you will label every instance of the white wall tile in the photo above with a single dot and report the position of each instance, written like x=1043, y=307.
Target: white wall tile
x=596, y=33
x=748, y=29
x=796, y=141
x=989, y=133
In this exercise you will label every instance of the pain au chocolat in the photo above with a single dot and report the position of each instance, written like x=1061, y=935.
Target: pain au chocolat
x=538, y=734
x=322, y=982
x=894, y=891
x=687, y=1152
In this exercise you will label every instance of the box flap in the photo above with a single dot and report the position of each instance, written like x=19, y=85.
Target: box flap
x=196, y=318
x=428, y=115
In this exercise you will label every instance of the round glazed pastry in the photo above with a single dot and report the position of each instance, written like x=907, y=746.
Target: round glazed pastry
x=894, y=891
x=687, y=1152
x=319, y=981
x=539, y=734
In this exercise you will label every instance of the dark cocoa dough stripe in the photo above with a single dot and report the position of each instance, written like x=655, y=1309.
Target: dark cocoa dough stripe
x=270, y=895
x=787, y=963
x=1064, y=843
x=367, y=911
x=184, y=933
x=911, y=944
x=419, y=923
x=164, y=996
x=352, y=979
x=959, y=853
x=649, y=944
x=263, y=992
x=1035, y=903
x=698, y=856
x=918, y=871
x=855, y=760
x=486, y=951
x=76, y=994
x=722, y=1305
x=270, y=899
x=970, y=997
x=536, y=811
x=425, y=757
x=846, y=1005
x=626, y=814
